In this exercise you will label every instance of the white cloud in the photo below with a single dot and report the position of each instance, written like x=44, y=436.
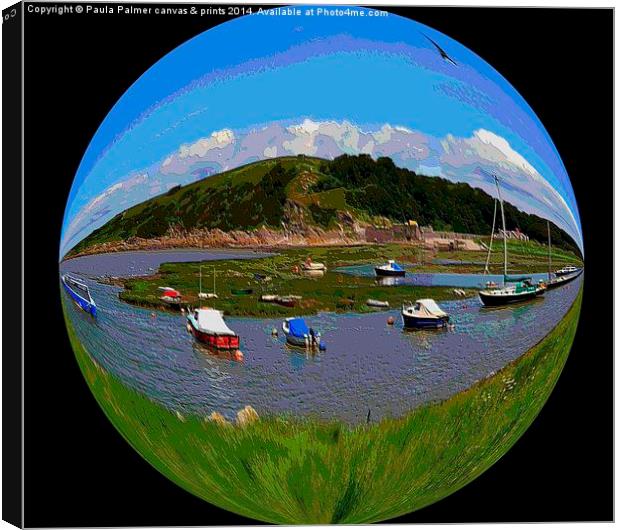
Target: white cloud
x=460, y=159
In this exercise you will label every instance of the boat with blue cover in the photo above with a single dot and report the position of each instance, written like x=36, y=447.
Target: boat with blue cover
x=80, y=294
x=299, y=334
x=391, y=268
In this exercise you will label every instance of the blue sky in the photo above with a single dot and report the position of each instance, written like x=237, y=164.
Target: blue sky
x=359, y=73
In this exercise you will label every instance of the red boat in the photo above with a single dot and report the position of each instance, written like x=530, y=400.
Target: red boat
x=209, y=328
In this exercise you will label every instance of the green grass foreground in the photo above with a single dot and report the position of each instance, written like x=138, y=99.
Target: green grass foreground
x=333, y=291
x=287, y=470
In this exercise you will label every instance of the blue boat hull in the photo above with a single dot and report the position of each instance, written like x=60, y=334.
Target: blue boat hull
x=82, y=303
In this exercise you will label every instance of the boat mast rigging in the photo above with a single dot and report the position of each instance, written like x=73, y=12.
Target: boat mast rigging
x=486, y=265
x=549, y=250
x=501, y=206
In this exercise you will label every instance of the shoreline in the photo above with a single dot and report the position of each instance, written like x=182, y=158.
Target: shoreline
x=148, y=245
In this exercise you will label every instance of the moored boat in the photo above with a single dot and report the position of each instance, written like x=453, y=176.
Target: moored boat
x=558, y=281
x=514, y=289
x=377, y=303
x=569, y=269
x=511, y=294
x=563, y=276
x=80, y=294
x=424, y=313
x=170, y=295
x=310, y=265
x=208, y=327
x=391, y=268
x=299, y=334
x=286, y=301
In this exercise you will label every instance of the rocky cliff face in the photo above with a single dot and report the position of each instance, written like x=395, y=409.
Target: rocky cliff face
x=294, y=232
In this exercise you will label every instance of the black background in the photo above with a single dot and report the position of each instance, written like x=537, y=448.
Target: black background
x=78, y=469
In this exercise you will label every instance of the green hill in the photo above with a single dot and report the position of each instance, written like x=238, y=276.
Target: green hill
x=302, y=191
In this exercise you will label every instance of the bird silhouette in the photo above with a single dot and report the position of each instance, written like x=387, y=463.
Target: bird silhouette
x=441, y=51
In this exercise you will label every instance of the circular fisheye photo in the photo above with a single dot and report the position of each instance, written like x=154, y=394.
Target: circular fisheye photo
x=321, y=269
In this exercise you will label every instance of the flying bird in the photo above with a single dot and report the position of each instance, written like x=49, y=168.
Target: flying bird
x=441, y=51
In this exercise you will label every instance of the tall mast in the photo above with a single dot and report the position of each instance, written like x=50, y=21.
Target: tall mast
x=200, y=281
x=501, y=205
x=214, y=279
x=486, y=265
x=549, y=238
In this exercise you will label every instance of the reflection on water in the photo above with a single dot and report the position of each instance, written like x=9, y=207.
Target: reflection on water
x=368, y=364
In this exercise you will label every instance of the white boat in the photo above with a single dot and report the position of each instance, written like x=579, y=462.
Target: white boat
x=377, y=303
x=425, y=313
x=310, y=265
x=569, y=269
x=207, y=296
x=208, y=326
x=269, y=297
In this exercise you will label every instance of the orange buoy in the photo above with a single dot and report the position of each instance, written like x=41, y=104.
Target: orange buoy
x=390, y=321
x=238, y=355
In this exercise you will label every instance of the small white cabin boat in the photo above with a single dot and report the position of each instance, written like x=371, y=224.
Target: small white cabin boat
x=425, y=313
x=391, y=268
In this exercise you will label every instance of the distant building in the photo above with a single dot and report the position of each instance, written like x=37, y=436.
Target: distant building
x=396, y=232
x=512, y=234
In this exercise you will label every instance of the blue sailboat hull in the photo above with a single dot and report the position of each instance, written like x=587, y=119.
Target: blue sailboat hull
x=85, y=305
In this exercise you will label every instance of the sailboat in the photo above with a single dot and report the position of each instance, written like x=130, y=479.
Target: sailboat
x=514, y=289
x=206, y=296
x=208, y=327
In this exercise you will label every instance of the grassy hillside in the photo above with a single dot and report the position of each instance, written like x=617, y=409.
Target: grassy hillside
x=298, y=192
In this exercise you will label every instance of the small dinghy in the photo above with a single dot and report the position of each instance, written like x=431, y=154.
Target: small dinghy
x=286, y=301
x=209, y=328
x=170, y=295
x=80, y=294
x=241, y=291
x=377, y=303
x=425, y=313
x=268, y=297
x=298, y=334
x=310, y=265
x=391, y=268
